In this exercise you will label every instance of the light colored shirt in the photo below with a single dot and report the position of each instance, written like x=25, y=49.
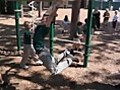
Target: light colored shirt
x=65, y=24
x=115, y=17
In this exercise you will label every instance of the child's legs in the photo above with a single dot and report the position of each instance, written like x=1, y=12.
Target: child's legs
x=106, y=20
x=1, y=80
x=63, y=65
x=60, y=57
x=33, y=53
x=114, y=23
x=25, y=54
x=48, y=60
x=63, y=55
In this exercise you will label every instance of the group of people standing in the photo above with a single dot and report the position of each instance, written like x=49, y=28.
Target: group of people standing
x=106, y=16
x=81, y=29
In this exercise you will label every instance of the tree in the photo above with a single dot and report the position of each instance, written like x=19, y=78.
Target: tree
x=75, y=15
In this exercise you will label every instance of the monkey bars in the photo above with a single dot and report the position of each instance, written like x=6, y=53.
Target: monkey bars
x=52, y=12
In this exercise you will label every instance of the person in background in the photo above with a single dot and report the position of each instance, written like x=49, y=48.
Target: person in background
x=106, y=16
x=96, y=19
x=78, y=36
x=115, y=20
x=65, y=24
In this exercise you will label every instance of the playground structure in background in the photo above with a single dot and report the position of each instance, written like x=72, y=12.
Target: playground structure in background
x=52, y=12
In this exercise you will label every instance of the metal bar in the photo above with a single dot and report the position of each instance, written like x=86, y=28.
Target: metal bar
x=51, y=38
x=88, y=35
x=17, y=26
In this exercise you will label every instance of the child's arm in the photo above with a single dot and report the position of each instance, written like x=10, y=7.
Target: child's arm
x=51, y=13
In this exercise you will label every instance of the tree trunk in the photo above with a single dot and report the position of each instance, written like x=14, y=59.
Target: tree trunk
x=75, y=15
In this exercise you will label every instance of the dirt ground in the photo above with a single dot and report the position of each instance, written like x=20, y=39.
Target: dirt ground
x=102, y=73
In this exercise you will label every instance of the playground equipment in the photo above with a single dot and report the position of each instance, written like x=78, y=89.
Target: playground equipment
x=51, y=12
x=17, y=12
x=88, y=36
x=69, y=41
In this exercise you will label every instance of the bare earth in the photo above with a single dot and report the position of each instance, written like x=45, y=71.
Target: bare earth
x=102, y=73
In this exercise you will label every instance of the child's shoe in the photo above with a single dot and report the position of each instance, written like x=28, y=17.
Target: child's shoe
x=68, y=54
x=39, y=62
x=24, y=66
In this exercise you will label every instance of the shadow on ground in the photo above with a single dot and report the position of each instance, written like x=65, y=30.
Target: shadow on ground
x=48, y=82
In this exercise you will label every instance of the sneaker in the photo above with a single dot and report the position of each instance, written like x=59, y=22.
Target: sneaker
x=62, y=65
x=68, y=54
x=53, y=70
x=39, y=62
x=24, y=66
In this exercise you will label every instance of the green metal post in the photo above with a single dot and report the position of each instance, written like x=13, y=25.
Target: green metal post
x=17, y=26
x=51, y=38
x=88, y=36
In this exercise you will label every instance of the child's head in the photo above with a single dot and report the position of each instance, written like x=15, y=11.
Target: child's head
x=79, y=23
x=66, y=18
x=27, y=24
x=96, y=9
x=116, y=12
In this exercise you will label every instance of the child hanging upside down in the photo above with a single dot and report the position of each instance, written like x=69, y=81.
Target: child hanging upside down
x=62, y=61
